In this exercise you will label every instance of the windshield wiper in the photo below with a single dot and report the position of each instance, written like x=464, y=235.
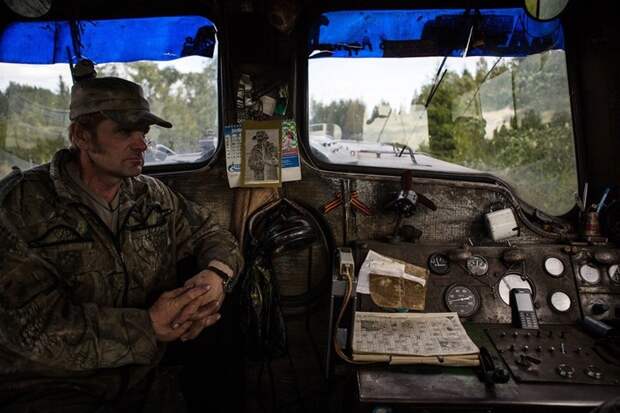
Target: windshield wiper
x=437, y=81
x=400, y=148
x=484, y=79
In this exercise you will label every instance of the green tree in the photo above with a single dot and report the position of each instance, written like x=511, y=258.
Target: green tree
x=533, y=150
x=187, y=100
x=34, y=120
x=348, y=114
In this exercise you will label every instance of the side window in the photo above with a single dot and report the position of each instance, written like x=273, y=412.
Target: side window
x=184, y=92
x=34, y=113
x=456, y=91
x=173, y=58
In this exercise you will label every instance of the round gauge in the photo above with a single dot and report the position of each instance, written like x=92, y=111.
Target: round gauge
x=614, y=273
x=590, y=274
x=439, y=264
x=510, y=281
x=554, y=266
x=560, y=301
x=477, y=265
x=462, y=300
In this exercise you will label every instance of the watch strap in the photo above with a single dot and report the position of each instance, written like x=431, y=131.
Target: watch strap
x=226, y=279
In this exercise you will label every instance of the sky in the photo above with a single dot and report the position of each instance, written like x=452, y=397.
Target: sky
x=395, y=80
x=374, y=79
x=47, y=75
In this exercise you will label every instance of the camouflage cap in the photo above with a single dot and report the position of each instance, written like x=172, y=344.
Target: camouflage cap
x=260, y=135
x=119, y=99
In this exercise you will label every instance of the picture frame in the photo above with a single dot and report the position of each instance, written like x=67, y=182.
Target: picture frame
x=261, y=148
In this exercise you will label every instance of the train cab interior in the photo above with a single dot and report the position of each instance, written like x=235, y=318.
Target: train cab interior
x=426, y=192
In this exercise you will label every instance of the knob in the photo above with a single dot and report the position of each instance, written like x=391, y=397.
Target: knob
x=581, y=257
x=525, y=348
x=459, y=254
x=551, y=349
x=514, y=255
x=539, y=349
x=565, y=371
x=594, y=372
x=605, y=257
x=599, y=308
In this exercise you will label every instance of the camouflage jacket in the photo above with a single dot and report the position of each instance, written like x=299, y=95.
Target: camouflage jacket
x=263, y=153
x=73, y=296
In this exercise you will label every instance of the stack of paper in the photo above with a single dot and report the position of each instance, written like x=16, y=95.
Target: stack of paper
x=413, y=338
x=392, y=283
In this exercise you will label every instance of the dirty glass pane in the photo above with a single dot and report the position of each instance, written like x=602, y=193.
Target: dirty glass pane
x=508, y=116
x=34, y=113
x=34, y=109
x=183, y=92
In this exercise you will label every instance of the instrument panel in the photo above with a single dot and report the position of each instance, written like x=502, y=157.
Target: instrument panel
x=475, y=281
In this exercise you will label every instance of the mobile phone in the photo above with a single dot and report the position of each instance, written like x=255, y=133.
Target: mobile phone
x=523, y=312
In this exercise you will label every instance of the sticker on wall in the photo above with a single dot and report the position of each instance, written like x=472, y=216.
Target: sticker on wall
x=232, y=143
x=291, y=166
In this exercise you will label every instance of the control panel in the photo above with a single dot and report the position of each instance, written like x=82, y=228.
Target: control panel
x=597, y=277
x=561, y=354
x=534, y=310
x=475, y=281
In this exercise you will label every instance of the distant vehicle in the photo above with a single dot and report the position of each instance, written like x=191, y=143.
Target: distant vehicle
x=330, y=149
x=164, y=149
x=160, y=153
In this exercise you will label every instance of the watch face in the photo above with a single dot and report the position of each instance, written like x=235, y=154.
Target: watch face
x=228, y=285
x=228, y=282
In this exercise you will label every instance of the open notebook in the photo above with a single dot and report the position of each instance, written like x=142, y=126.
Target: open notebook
x=413, y=338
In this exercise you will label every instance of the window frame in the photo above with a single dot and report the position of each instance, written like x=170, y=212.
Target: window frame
x=206, y=12
x=302, y=104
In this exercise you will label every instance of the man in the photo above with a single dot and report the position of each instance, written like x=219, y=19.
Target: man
x=89, y=294
x=263, y=158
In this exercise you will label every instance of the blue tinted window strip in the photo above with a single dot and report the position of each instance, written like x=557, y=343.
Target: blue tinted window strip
x=370, y=33
x=102, y=41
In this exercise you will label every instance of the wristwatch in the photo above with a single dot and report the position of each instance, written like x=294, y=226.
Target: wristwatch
x=227, y=281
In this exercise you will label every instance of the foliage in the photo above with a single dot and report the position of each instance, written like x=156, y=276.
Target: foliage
x=529, y=142
x=34, y=120
x=187, y=100
x=348, y=114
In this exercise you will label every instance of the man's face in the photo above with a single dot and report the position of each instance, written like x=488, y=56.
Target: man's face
x=116, y=152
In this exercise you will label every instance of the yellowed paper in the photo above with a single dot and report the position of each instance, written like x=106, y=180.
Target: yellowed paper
x=427, y=338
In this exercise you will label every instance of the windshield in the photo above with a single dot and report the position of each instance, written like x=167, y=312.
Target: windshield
x=508, y=116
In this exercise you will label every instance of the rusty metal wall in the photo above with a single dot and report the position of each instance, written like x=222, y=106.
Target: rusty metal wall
x=459, y=217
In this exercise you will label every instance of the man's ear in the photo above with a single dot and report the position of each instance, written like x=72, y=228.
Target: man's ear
x=81, y=137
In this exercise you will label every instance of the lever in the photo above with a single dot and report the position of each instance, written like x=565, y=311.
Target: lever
x=489, y=372
x=405, y=206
